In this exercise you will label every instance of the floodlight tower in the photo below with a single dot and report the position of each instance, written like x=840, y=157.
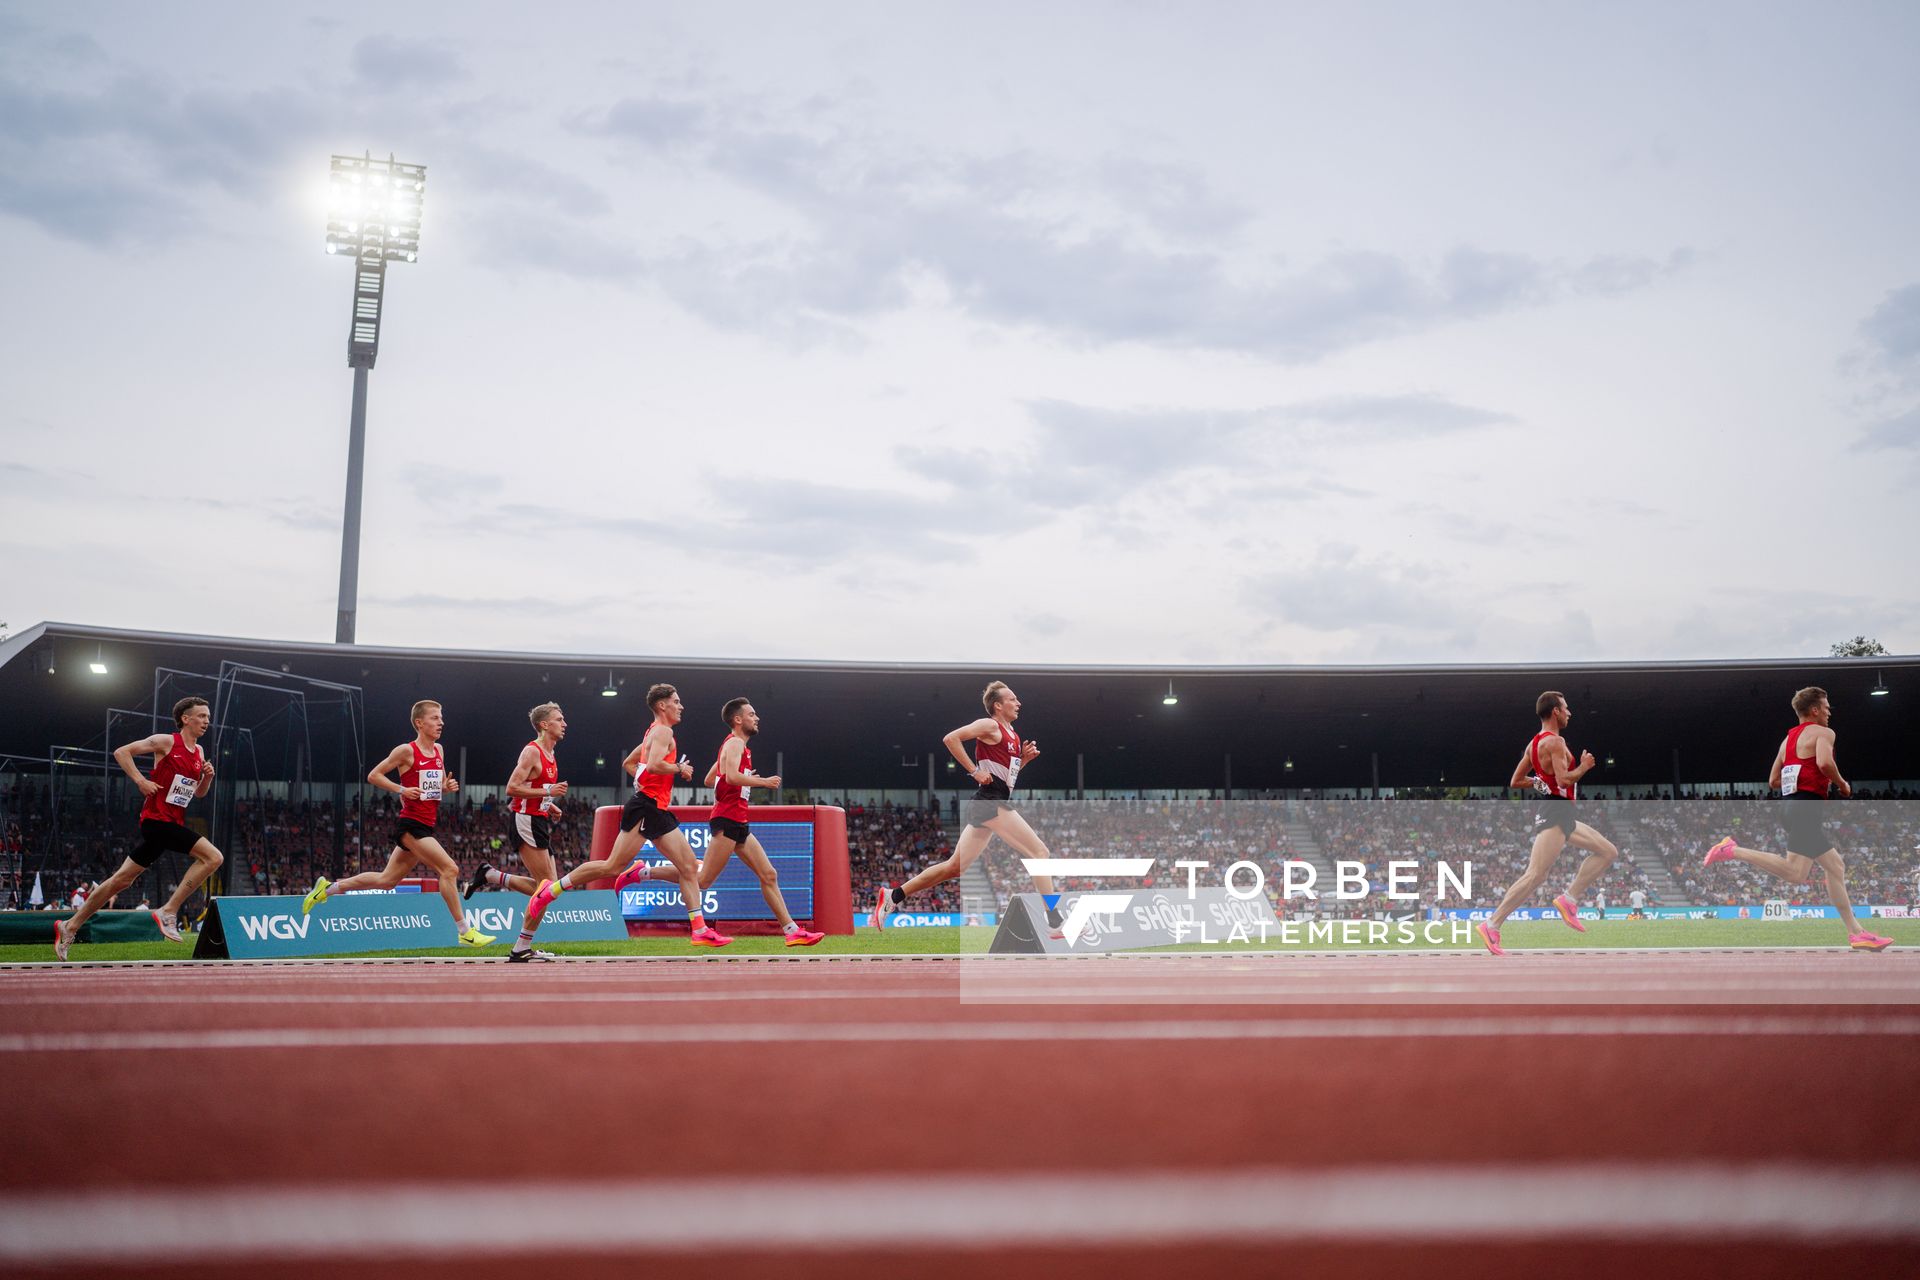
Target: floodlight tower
x=373, y=217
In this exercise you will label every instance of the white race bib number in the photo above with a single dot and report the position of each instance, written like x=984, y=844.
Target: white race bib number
x=1789, y=779
x=431, y=781
x=181, y=789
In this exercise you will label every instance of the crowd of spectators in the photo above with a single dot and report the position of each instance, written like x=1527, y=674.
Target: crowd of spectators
x=889, y=844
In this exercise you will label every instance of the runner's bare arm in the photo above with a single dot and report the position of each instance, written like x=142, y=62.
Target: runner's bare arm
x=206, y=779
x=1560, y=759
x=1522, y=778
x=728, y=765
x=401, y=757
x=967, y=733
x=1779, y=763
x=634, y=758
x=523, y=770
x=157, y=745
x=657, y=745
x=1823, y=756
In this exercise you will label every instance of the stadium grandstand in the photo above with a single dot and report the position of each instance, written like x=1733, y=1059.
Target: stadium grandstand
x=1296, y=749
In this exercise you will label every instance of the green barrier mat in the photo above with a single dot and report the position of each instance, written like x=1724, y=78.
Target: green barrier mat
x=106, y=926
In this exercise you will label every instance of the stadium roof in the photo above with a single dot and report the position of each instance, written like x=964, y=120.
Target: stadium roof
x=875, y=724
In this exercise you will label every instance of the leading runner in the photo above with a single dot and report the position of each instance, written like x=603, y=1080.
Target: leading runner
x=1002, y=754
x=1805, y=772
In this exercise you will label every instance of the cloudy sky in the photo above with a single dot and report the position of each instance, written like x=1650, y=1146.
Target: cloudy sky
x=1002, y=333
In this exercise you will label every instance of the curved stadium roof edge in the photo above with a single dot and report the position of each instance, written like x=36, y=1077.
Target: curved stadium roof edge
x=24, y=641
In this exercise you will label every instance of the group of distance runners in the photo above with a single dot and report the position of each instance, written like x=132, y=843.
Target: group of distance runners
x=1804, y=769
x=535, y=796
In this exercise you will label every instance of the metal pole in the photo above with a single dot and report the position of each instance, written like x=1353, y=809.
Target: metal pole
x=350, y=524
x=1228, y=793
x=1376, y=773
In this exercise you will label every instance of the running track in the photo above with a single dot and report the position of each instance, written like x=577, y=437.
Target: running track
x=1586, y=1114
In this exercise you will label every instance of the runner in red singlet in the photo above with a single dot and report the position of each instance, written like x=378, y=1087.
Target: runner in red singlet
x=534, y=793
x=1547, y=767
x=1805, y=774
x=424, y=779
x=654, y=764
x=731, y=777
x=181, y=774
x=1001, y=755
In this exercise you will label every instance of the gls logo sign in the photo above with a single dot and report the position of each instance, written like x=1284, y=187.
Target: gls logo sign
x=287, y=928
x=1084, y=909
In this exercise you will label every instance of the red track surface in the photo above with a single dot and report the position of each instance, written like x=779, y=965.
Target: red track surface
x=934, y=1072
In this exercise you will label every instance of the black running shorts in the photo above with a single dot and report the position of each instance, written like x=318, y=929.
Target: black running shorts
x=1806, y=832
x=530, y=829
x=411, y=827
x=978, y=812
x=158, y=837
x=641, y=811
x=1552, y=812
x=728, y=827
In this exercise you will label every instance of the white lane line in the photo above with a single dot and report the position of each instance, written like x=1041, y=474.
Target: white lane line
x=1035, y=1031
x=1616, y=1202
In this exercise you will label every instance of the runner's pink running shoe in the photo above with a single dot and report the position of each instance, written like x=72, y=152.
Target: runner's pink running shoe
x=1569, y=912
x=1720, y=852
x=1864, y=941
x=1491, y=937
x=542, y=899
x=632, y=875
x=804, y=938
x=708, y=936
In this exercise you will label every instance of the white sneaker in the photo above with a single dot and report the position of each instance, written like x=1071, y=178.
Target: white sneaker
x=60, y=940
x=882, y=905
x=169, y=926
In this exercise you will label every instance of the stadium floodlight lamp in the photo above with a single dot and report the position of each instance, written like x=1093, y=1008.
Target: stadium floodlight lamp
x=1609, y=759
x=373, y=217
x=1879, y=689
x=609, y=691
x=1288, y=766
x=99, y=664
x=1172, y=699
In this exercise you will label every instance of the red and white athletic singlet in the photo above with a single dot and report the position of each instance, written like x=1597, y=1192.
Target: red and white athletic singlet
x=1002, y=760
x=1543, y=780
x=177, y=774
x=657, y=786
x=545, y=776
x=429, y=773
x=1799, y=776
x=730, y=801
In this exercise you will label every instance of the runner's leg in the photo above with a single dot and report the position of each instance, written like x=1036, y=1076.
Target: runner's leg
x=206, y=861
x=1546, y=851
x=1600, y=855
